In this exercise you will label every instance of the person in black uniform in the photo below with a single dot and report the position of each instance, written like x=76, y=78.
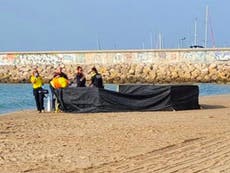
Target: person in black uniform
x=60, y=73
x=80, y=77
x=96, y=79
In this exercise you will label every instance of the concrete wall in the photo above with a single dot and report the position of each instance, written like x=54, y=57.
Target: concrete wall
x=124, y=66
x=113, y=57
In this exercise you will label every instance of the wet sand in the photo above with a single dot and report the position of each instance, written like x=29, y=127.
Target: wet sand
x=183, y=141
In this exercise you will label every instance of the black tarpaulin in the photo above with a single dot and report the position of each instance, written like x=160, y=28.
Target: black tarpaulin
x=130, y=98
x=182, y=97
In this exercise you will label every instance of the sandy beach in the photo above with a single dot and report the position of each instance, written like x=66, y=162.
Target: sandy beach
x=183, y=141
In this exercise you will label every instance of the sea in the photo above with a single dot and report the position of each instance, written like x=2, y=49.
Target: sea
x=18, y=97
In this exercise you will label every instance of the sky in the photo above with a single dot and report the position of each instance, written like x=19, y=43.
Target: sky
x=29, y=25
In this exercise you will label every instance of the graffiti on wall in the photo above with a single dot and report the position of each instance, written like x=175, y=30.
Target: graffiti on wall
x=72, y=58
x=222, y=55
x=144, y=57
x=207, y=56
x=39, y=59
x=195, y=56
x=119, y=58
x=99, y=58
x=35, y=59
x=114, y=58
x=7, y=59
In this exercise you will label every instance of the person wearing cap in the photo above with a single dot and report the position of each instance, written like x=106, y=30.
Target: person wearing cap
x=37, y=83
x=80, y=77
x=96, y=79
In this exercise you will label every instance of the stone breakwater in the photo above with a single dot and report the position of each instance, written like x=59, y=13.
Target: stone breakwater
x=179, y=72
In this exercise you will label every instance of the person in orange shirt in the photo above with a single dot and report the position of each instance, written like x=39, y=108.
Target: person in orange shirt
x=37, y=83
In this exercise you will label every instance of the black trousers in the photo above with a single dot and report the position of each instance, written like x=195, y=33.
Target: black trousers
x=53, y=97
x=39, y=99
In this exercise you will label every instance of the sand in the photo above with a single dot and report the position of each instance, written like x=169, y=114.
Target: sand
x=183, y=141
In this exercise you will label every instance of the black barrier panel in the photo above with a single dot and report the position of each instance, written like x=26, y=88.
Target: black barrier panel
x=132, y=98
x=185, y=97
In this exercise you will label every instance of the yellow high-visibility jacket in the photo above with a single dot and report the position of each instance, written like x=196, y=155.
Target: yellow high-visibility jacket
x=59, y=82
x=36, y=81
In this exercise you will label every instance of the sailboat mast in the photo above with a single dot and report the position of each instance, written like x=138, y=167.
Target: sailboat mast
x=160, y=41
x=206, y=28
x=98, y=43
x=151, y=40
x=195, y=32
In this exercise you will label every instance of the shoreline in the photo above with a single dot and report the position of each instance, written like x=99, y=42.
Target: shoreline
x=205, y=90
x=32, y=109
x=161, y=141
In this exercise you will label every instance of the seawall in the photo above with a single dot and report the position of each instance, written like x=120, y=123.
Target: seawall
x=123, y=66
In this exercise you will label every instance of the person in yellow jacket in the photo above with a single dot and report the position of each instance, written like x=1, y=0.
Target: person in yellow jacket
x=56, y=83
x=37, y=83
x=59, y=82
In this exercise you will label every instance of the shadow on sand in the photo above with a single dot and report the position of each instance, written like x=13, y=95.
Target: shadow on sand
x=203, y=106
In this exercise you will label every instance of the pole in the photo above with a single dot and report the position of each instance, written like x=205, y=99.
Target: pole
x=143, y=45
x=195, y=32
x=160, y=41
x=151, y=40
x=182, y=41
x=206, y=28
x=99, y=47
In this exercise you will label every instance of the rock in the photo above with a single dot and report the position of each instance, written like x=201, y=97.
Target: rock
x=131, y=72
x=212, y=66
x=162, y=72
